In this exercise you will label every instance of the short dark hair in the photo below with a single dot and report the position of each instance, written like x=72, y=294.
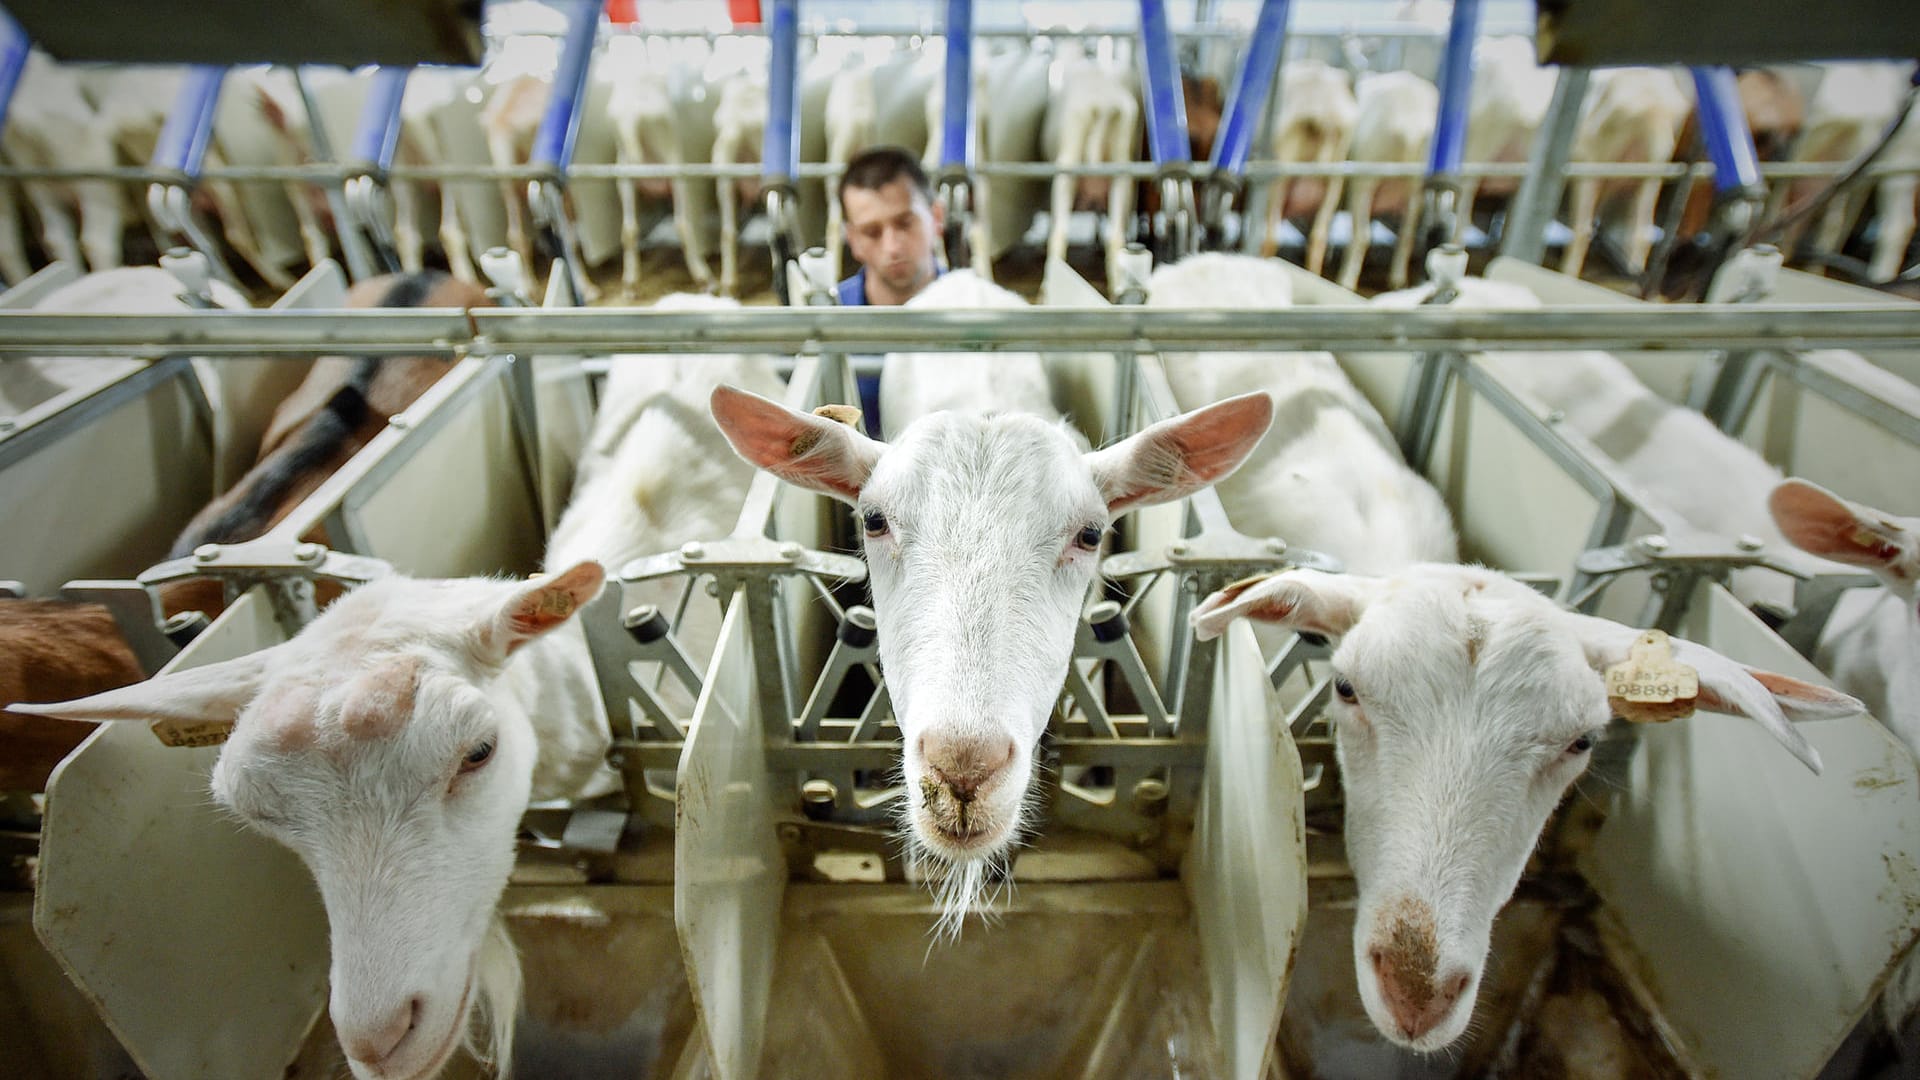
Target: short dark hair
x=876, y=167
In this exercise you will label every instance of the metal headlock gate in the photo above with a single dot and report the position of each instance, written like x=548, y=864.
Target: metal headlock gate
x=756, y=889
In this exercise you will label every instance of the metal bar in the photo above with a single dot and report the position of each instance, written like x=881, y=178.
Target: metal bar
x=1524, y=236
x=1456, y=90
x=1166, y=106
x=378, y=136
x=14, y=47
x=780, y=157
x=1192, y=33
x=1723, y=128
x=189, y=127
x=957, y=150
x=560, y=127
x=353, y=241
x=1121, y=329
x=1248, y=102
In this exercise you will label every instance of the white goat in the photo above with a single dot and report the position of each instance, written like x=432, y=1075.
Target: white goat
x=1315, y=124
x=1397, y=114
x=640, y=107
x=1465, y=705
x=395, y=741
x=1092, y=119
x=913, y=385
x=983, y=532
x=849, y=123
x=739, y=126
x=1632, y=114
x=1511, y=92
x=51, y=125
x=1849, y=109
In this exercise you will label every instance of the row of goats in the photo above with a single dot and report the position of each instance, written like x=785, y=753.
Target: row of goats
x=676, y=102
x=395, y=741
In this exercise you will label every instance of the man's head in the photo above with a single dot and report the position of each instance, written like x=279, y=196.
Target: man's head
x=892, y=222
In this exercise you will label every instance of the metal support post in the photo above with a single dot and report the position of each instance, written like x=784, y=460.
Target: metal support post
x=1167, y=134
x=958, y=144
x=1246, y=107
x=1525, y=235
x=780, y=147
x=553, y=143
x=374, y=145
x=180, y=154
x=1442, y=191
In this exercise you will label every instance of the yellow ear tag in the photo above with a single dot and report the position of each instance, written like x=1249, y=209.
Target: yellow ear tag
x=1650, y=686
x=840, y=414
x=192, y=732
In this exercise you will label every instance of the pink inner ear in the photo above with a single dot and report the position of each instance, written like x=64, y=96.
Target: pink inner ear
x=1814, y=520
x=808, y=450
x=554, y=601
x=1214, y=440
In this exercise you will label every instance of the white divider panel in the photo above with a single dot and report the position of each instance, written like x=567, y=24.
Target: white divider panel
x=203, y=944
x=1757, y=905
x=100, y=489
x=563, y=411
x=453, y=497
x=1807, y=434
x=1795, y=287
x=1669, y=374
x=1312, y=290
x=1085, y=385
x=54, y=275
x=1247, y=869
x=245, y=393
x=728, y=872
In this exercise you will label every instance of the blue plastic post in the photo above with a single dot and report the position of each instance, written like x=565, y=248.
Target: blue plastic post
x=379, y=133
x=781, y=147
x=1723, y=127
x=189, y=127
x=553, y=143
x=1456, y=90
x=956, y=133
x=13, y=60
x=1166, y=107
x=1250, y=91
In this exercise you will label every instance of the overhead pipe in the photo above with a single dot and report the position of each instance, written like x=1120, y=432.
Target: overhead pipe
x=780, y=147
x=375, y=143
x=1167, y=132
x=553, y=142
x=14, y=46
x=1246, y=106
x=1442, y=193
x=180, y=154
x=958, y=141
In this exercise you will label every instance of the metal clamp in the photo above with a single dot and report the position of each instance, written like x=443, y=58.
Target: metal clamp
x=179, y=154
x=288, y=570
x=1676, y=564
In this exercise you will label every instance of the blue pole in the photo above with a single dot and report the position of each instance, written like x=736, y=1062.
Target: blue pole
x=553, y=143
x=781, y=156
x=1252, y=88
x=1166, y=108
x=1723, y=127
x=189, y=127
x=13, y=60
x=1456, y=90
x=379, y=133
x=956, y=134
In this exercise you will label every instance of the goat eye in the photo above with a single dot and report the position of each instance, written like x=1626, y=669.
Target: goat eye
x=875, y=522
x=477, y=757
x=1581, y=745
x=1089, y=537
x=1345, y=690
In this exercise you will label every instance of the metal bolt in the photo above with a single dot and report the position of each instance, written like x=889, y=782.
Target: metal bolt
x=790, y=833
x=206, y=552
x=1748, y=542
x=400, y=422
x=713, y=587
x=1150, y=795
x=693, y=551
x=791, y=551
x=309, y=552
x=617, y=760
x=1276, y=546
x=817, y=792
x=1653, y=542
x=1178, y=547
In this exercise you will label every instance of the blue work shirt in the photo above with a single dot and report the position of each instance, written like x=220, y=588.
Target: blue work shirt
x=853, y=291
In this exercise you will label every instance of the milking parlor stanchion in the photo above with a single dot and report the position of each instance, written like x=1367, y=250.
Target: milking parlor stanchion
x=780, y=146
x=179, y=155
x=553, y=144
x=958, y=147
x=368, y=194
x=1254, y=97
x=1177, y=232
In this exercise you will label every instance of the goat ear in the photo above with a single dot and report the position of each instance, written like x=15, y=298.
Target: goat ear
x=1728, y=686
x=1175, y=458
x=540, y=605
x=1300, y=600
x=808, y=451
x=1822, y=523
x=212, y=694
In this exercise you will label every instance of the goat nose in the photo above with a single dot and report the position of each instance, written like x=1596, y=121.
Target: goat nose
x=377, y=1040
x=1418, y=1001
x=965, y=764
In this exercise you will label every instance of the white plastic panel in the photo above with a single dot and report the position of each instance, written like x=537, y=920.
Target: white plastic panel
x=203, y=944
x=727, y=867
x=1756, y=904
x=1247, y=869
x=54, y=275
x=1808, y=435
x=1668, y=373
x=1085, y=385
x=563, y=413
x=1795, y=287
x=244, y=393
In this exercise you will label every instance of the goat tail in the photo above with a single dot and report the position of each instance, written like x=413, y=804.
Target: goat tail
x=497, y=1004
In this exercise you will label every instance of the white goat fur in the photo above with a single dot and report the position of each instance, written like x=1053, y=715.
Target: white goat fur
x=640, y=107
x=739, y=125
x=913, y=385
x=1092, y=118
x=1397, y=114
x=349, y=740
x=1632, y=114
x=1315, y=124
x=849, y=123
x=51, y=125
x=1511, y=92
x=980, y=567
x=1850, y=108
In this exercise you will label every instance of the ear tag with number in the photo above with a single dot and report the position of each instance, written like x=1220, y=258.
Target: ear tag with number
x=1650, y=686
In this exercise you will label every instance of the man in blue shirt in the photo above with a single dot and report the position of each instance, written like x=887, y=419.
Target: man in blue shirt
x=893, y=227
